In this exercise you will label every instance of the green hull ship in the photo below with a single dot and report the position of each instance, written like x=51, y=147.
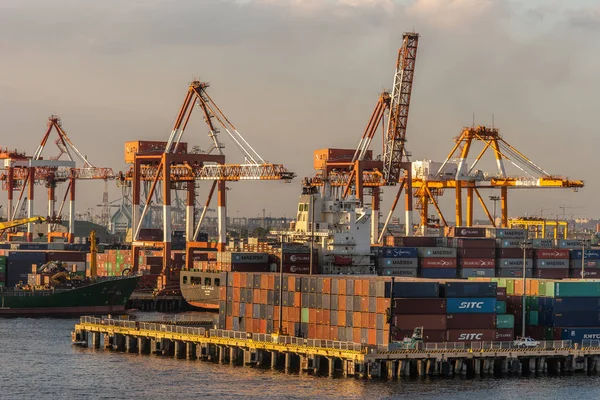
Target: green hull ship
x=105, y=296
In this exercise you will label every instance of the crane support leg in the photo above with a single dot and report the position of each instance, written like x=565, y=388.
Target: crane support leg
x=437, y=207
x=30, y=203
x=408, y=195
x=51, y=190
x=167, y=228
x=458, y=221
x=389, y=217
x=375, y=215
x=71, y=235
x=222, y=215
x=210, y=195
x=485, y=209
x=424, y=213
x=10, y=188
x=189, y=211
x=504, y=205
x=469, y=206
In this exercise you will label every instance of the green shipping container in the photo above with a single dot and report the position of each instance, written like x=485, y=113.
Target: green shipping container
x=532, y=318
x=505, y=321
x=549, y=333
x=510, y=287
x=570, y=289
x=2, y=268
x=532, y=303
x=304, y=315
x=500, y=307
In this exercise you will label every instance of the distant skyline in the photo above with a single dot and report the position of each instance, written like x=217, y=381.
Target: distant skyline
x=298, y=75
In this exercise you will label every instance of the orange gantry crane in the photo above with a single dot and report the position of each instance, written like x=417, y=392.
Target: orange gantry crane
x=356, y=170
x=431, y=179
x=24, y=172
x=170, y=166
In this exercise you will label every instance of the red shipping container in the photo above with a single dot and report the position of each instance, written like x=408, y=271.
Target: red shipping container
x=551, y=273
x=312, y=315
x=326, y=317
x=271, y=282
x=256, y=296
x=319, y=314
x=471, y=335
x=297, y=258
x=419, y=306
x=500, y=293
x=228, y=323
x=438, y=262
x=505, y=335
x=262, y=325
x=372, y=321
x=471, y=321
x=475, y=243
x=551, y=253
x=299, y=269
x=477, y=262
x=333, y=333
x=408, y=322
x=477, y=252
x=319, y=332
x=429, y=336
x=588, y=272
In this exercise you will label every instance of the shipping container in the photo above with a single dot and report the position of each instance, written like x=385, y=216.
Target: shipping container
x=576, y=319
x=500, y=306
x=471, y=335
x=590, y=273
x=399, y=252
x=413, y=289
x=477, y=263
x=589, y=254
x=477, y=253
x=476, y=272
x=466, y=232
x=436, y=262
x=577, y=335
x=570, y=289
x=509, y=243
x=398, y=262
x=474, y=243
x=551, y=253
x=506, y=233
x=471, y=321
x=542, y=243
x=505, y=321
x=551, y=273
x=573, y=244
x=553, y=263
x=471, y=305
x=429, y=336
x=438, y=273
x=428, y=322
x=419, y=306
x=513, y=263
x=395, y=271
x=586, y=263
x=505, y=335
x=513, y=272
x=440, y=252
x=511, y=252
x=470, y=289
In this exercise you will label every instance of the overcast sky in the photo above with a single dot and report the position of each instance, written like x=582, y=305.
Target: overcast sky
x=298, y=75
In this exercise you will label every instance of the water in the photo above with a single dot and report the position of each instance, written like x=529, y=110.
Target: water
x=38, y=361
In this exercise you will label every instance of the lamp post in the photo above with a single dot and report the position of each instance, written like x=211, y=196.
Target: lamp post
x=525, y=245
x=494, y=199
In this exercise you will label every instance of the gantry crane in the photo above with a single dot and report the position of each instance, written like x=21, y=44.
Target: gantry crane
x=394, y=167
x=431, y=179
x=23, y=171
x=171, y=166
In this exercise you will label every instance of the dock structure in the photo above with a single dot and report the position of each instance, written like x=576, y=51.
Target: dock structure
x=333, y=358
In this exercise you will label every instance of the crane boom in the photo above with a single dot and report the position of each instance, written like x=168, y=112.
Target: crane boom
x=17, y=222
x=395, y=139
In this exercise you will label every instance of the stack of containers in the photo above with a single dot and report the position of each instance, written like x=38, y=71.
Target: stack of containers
x=509, y=254
x=2, y=270
x=476, y=257
x=571, y=244
x=465, y=232
x=570, y=310
x=242, y=261
x=21, y=263
x=417, y=304
x=551, y=263
x=397, y=261
x=471, y=311
x=437, y=262
x=542, y=243
x=590, y=260
x=410, y=241
x=296, y=260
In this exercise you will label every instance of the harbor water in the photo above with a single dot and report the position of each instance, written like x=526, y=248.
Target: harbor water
x=38, y=361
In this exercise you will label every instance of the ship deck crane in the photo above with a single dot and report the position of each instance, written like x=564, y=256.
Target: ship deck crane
x=394, y=167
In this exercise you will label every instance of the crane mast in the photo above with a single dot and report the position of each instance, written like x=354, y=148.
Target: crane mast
x=395, y=139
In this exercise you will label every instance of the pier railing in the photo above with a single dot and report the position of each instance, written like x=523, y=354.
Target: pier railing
x=333, y=344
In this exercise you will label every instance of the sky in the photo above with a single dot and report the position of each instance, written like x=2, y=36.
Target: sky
x=298, y=75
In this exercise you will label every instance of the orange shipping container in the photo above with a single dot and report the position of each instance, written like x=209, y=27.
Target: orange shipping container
x=326, y=317
x=271, y=282
x=263, y=296
x=356, y=335
x=333, y=333
x=356, y=319
x=319, y=316
x=262, y=326
x=342, y=286
x=264, y=281
x=297, y=299
x=364, y=304
x=372, y=321
x=372, y=337
x=341, y=302
x=312, y=315
x=312, y=330
x=236, y=294
x=341, y=318
x=243, y=280
x=229, y=323
x=326, y=285
x=319, y=332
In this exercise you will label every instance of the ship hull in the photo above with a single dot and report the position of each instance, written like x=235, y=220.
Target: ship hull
x=104, y=297
x=199, y=289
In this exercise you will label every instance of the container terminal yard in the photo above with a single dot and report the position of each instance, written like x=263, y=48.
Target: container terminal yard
x=337, y=290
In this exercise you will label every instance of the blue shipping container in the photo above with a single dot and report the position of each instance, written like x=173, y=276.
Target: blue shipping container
x=443, y=273
x=413, y=289
x=400, y=252
x=589, y=254
x=471, y=305
x=577, y=318
x=579, y=334
x=470, y=289
x=562, y=305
